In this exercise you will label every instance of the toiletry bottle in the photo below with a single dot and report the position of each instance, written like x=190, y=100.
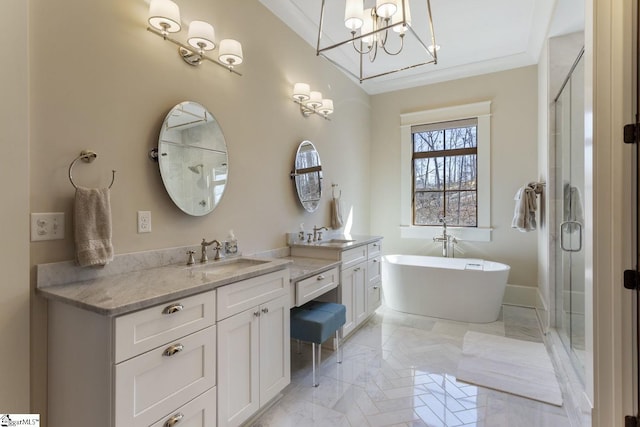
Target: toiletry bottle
x=231, y=245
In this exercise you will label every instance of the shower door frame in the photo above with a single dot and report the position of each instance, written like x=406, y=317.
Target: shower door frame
x=560, y=256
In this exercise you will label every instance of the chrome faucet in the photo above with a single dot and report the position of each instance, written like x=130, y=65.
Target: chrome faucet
x=446, y=239
x=317, y=233
x=217, y=246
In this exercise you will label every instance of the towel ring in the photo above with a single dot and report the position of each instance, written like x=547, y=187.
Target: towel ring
x=87, y=157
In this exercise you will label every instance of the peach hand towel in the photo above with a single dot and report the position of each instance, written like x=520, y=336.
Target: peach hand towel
x=92, y=226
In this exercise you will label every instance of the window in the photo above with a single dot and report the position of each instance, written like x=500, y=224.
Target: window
x=444, y=162
x=446, y=171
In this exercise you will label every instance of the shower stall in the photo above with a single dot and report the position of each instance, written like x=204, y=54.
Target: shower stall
x=567, y=216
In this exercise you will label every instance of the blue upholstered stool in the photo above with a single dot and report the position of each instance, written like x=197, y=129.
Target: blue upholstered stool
x=316, y=322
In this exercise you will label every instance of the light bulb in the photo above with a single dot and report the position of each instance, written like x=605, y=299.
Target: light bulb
x=164, y=15
x=230, y=52
x=315, y=99
x=386, y=8
x=353, y=14
x=201, y=35
x=398, y=17
x=301, y=92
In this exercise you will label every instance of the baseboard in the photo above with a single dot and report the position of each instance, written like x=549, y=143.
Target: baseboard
x=527, y=296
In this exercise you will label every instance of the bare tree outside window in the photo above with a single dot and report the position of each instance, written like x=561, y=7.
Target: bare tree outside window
x=445, y=166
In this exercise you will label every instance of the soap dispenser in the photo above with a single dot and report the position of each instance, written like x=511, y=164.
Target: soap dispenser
x=231, y=245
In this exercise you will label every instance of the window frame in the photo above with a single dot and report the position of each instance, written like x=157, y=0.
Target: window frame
x=444, y=153
x=480, y=111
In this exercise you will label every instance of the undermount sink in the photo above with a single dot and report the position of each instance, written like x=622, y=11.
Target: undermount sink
x=227, y=266
x=335, y=241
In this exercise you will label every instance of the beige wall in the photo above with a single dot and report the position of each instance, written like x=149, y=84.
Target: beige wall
x=100, y=81
x=14, y=187
x=513, y=96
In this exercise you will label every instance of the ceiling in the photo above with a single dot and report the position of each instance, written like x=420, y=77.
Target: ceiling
x=476, y=37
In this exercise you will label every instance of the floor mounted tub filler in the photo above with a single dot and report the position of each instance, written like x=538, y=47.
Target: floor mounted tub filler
x=460, y=289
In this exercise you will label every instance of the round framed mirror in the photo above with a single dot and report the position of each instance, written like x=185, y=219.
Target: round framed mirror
x=307, y=175
x=193, y=160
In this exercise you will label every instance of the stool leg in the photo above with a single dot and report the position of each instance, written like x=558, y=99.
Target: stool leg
x=338, y=348
x=313, y=358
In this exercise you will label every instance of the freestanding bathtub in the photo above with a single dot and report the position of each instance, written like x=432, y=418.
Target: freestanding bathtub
x=461, y=289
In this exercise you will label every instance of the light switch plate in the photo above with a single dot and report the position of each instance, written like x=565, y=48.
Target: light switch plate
x=47, y=226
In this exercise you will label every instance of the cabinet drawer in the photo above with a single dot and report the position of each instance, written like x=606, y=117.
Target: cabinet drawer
x=200, y=412
x=374, y=249
x=143, y=330
x=314, y=286
x=243, y=295
x=353, y=256
x=374, y=270
x=151, y=385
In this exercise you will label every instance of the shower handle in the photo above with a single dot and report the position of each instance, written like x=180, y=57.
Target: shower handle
x=562, y=229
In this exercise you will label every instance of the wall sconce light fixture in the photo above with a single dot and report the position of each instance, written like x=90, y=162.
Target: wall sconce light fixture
x=311, y=101
x=164, y=18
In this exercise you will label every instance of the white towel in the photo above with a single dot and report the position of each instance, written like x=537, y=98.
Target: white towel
x=524, y=215
x=336, y=213
x=92, y=226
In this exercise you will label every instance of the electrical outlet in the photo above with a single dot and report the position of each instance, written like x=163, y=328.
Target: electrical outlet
x=47, y=226
x=144, y=222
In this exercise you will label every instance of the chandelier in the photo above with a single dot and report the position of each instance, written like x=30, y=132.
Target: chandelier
x=376, y=32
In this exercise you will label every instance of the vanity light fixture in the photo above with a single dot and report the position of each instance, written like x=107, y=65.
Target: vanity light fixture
x=368, y=33
x=311, y=101
x=164, y=18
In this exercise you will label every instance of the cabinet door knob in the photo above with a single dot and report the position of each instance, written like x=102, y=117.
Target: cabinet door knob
x=265, y=310
x=174, y=420
x=375, y=260
x=173, y=308
x=320, y=277
x=172, y=349
x=256, y=313
x=376, y=287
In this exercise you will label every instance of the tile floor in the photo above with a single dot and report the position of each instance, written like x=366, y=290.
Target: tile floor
x=399, y=370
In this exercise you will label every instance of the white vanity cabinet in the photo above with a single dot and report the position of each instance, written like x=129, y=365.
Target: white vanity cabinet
x=353, y=294
x=253, y=345
x=360, y=276
x=147, y=368
x=374, y=276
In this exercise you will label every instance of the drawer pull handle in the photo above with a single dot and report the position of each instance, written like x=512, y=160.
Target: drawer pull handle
x=265, y=310
x=256, y=313
x=174, y=420
x=375, y=260
x=173, y=308
x=172, y=349
x=376, y=288
x=320, y=277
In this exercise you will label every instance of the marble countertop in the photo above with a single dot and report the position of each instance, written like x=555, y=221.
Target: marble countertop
x=128, y=286
x=123, y=293
x=337, y=242
x=303, y=267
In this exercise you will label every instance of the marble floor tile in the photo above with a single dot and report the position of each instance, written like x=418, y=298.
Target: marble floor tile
x=399, y=370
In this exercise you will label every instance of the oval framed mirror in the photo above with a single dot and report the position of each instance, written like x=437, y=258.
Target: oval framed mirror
x=193, y=159
x=307, y=175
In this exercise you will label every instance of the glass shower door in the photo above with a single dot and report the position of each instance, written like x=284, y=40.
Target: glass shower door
x=569, y=217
